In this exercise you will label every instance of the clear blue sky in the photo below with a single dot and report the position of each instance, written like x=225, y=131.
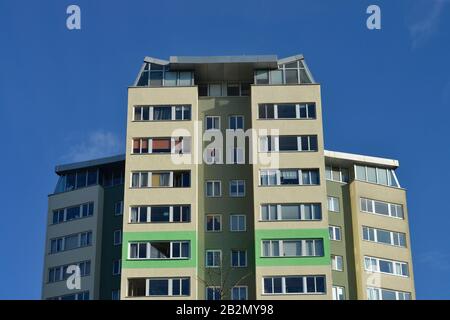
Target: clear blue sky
x=63, y=98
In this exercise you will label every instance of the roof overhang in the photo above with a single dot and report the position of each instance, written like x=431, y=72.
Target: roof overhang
x=348, y=159
x=90, y=163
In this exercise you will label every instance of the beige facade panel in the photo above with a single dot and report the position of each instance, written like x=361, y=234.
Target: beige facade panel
x=364, y=248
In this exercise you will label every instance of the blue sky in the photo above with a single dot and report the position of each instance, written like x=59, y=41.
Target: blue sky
x=63, y=98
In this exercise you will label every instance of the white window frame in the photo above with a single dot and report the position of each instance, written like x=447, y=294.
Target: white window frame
x=332, y=201
x=148, y=249
x=334, y=228
x=234, y=118
x=215, y=288
x=169, y=286
x=303, y=245
x=238, y=183
x=375, y=266
x=304, y=279
x=335, y=264
x=213, y=183
x=379, y=293
x=239, y=298
x=213, y=251
x=214, y=215
x=391, y=208
x=238, y=216
x=392, y=236
x=239, y=259
x=213, y=122
x=335, y=292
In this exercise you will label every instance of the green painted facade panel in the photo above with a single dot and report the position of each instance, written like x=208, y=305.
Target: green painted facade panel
x=160, y=236
x=281, y=234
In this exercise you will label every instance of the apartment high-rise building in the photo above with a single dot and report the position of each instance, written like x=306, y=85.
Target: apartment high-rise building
x=84, y=231
x=204, y=222
x=229, y=193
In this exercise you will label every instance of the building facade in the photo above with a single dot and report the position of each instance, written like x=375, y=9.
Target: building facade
x=229, y=193
x=84, y=229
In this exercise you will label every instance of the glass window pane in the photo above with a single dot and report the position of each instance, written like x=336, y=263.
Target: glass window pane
x=292, y=248
x=170, y=79
x=291, y=76
x=286, y=111
x=185, y=79
x=360, y=173
x=290, y=212
x=276, y=77
x=159, y=287
x=288, y=143
x=294, y=284
x=156, y=79
x=304, y=76
x=262, y=77
x=371, y=174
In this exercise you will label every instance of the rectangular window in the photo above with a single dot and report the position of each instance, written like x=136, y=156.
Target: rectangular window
x=118, y=208
x=380, y=176
x=236, y=122
x=337, y=174
x=212, y=123
x=213, y=222
x=233, y=89
x=289, y=177
x=213, y=189
x=286, y=111
x=115, y=294
x=73, y=213
x=294, y=285
x=213, y=258
x=116, y=267
x=117, y=237
x=333, y=204
x=293, y=248
x=182, y=112
x=239, y=293
x=266, y=111
x=59, y=273
x=337, y=263
x=213, y=293
x=382, y=208
x=238, y=258
x=262, y=77
x=215, y=90
x=335, y=233
x=338, y=293
x=384, y=236
x=161, y=145
x=167, y=286
x=237, y=188
x=160, y=214
x=71, y=242
x=236, y=156
x=397, y=268
x=159, y=250
x=299, y=211
x=237, y=222
x=162, y=113
x=386, y=294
